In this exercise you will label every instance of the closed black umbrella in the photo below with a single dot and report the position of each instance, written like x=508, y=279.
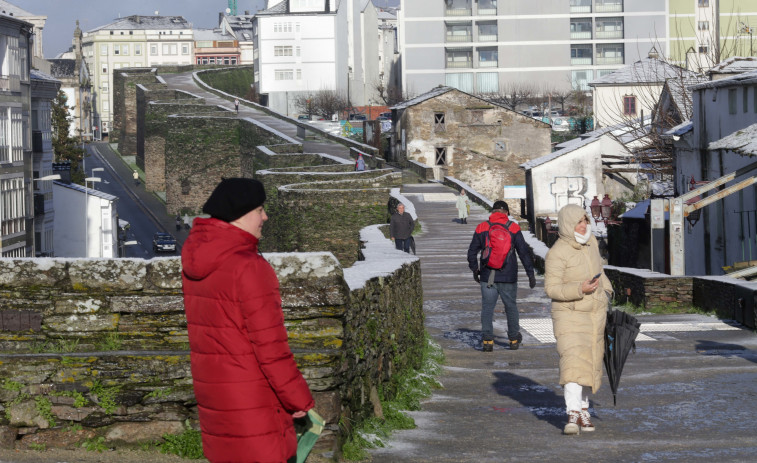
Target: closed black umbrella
x=620, y=338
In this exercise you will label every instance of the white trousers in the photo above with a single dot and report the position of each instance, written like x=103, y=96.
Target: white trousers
x=574, y=398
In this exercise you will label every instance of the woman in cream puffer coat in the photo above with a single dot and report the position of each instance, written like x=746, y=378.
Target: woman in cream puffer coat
x=579, y=307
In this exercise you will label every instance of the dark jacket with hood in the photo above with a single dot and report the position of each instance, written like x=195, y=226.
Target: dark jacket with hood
x=246, y=381
x=509, y=273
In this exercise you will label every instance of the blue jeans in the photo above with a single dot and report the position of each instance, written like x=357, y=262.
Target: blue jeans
x=402, y=245
x=508, y=292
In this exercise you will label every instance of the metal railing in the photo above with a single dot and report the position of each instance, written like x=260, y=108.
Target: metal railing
x=609, y=34
x=580, y=35
x=608, y=7
x=609, y=60
x=459, y=38
x=459, y=12
x=580, y=61
x=459, y=64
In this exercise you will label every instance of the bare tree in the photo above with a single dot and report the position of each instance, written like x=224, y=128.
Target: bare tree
x=389, y=94
x=329, y=102
x=512, y=94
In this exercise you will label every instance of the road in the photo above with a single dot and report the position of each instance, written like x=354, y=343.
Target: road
x=144, y=212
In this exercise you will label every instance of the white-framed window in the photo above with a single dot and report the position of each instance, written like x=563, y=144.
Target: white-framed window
x=13, y=207
x=116, y=49
x=105, y=68
x=154, y=49
x=284, y=74
x=170, y=49
x=297, y=51
x=104, y=86
x=103, y=49
x=106, y=106
x=184, y=48
x=125, y=49
x=282, y=50
x=299, y=74
x=138, y=49
x=281, y=27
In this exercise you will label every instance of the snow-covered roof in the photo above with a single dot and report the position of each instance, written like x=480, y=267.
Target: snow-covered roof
x=39, y=75
x=137, y=22
x=645, y=71
x=680, y=129
x=623, y=132
x=90, y=191
x=742, y=141
x=735, y=65
x=746, y=78
x=433, y=93
x=10, y=9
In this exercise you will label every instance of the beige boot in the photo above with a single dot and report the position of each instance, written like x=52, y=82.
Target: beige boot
x=572, y=428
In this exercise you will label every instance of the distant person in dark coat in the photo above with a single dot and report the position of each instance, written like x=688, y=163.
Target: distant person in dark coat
x=400, y=228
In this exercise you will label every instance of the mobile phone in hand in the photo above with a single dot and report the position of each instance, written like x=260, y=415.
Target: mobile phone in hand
x=596, y=276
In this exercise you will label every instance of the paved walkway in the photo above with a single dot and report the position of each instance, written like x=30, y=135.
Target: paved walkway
x=686, y=395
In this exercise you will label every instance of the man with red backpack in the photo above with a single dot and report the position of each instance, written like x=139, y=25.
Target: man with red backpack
x=497, y=271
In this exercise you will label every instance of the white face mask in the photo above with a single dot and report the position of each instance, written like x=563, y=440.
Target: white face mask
x=583, y=239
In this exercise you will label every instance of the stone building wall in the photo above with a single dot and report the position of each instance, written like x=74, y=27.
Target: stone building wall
x=485, y=143
x=103, y=344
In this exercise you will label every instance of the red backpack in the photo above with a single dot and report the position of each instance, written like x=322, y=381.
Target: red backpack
x=499, y=244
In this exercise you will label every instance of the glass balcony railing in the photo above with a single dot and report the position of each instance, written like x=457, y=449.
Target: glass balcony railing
x=459, y=64
x=459, y=38
x=459, y=12
x=487, y=64
x=609, y=60
x=580, y=35
x=608, y=34
x=608, y=7
x=487, y=37
x=580, y=61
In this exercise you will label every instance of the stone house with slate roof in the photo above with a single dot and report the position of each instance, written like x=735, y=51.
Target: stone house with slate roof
x=471, y=139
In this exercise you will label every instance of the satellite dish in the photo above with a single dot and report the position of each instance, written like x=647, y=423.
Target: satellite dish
x=228, y=10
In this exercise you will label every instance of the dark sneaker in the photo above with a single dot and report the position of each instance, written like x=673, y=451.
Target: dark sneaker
x=488, y=346
x=515, y=343
x=584, y=421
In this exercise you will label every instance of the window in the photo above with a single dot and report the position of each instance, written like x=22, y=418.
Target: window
x=703, y=25
x=459, y=57
x=282, y=27
x=137, y=49
x=580, y=54
x=103, y=49
x=580, y=6
x=439, y=124
x=170, y=49
x=487, y=57
x=462, y=81
x=125, y=49
x=441, y=156
x=704, y=3
x=487, y=7
x=745, y=99
x=732, y=101
x=297, y=51
x=608, y=28
x=608, y=6
x=458, y=7
x=106, y=106
x=487, y=31
x=105, y=69
x=282, y=50
x=487, y=82
x=703, y=49
x=299, y=74
x=284, y=74
x=629, y=105
x=580, y=28
x=184, y=48
x=116, y=49
x=610, y=53
x=459, y=32
x=204, y=44
x=477, y=116
x=500, y=146
x=105, y=86
x=153, y=49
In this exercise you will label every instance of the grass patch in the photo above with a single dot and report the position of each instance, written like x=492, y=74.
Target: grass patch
x=411, y=386
x=112, y=341
x=10, y=385
x=96, y=444
x=660, y=309
x=187, y=445
x=38, y=447
x=57, y=346
x=106, y=396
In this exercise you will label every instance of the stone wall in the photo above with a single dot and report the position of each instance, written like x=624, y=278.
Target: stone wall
x=115, y=345
x=124, y=130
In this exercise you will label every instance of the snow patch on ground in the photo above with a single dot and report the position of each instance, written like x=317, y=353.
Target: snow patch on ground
x=381, y=258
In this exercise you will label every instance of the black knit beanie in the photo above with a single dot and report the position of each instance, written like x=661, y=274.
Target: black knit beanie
x=233, y=198
x=501, y=205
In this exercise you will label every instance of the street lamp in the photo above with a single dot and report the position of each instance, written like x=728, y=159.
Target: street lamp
x=127, y=243
x=96, y=169
x=596, y=209
x=86, y=211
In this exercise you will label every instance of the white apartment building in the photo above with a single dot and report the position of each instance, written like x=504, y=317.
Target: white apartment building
x=484, y=46
x=86, y=222
x=133, y=41
x=303, y=46
x=389, y=57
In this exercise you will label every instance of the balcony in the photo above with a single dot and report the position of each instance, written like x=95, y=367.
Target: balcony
x=5, y=84
x=458, y=11
x=487, y=7
x=582, y=61
x=580, y=35
x=609, y=6
x=580, y=6
x=487, y=64
x=459, y=64
x=609, y=60
x=616, y=34
x=459, y=37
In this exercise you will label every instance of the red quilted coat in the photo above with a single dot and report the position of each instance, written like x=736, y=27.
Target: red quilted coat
x=245, y=378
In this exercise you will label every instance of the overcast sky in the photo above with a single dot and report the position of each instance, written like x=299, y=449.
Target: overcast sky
x=62, y=15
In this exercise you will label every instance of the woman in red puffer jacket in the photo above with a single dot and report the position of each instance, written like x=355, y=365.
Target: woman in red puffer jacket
x=246, y=382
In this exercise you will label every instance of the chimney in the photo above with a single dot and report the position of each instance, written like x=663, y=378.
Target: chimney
x=246, y=12
x=653, y=53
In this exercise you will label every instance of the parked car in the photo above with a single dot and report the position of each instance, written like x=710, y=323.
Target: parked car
x=163, y=242
x=385, y=116
x=358, y=117
x=303, y=117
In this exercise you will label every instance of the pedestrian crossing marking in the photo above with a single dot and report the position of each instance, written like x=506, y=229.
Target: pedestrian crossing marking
x=541, y=328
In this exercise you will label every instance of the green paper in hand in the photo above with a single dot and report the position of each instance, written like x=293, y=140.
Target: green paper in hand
x=308, y=433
